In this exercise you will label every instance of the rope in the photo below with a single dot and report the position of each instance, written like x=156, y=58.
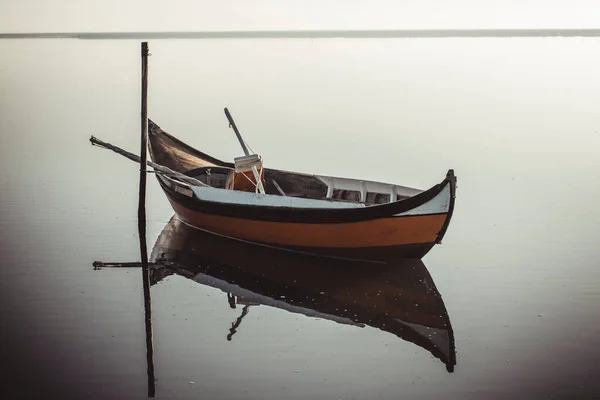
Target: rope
x=251, y=181
x=247, y=145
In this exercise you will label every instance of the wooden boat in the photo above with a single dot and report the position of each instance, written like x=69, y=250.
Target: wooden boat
x=317, y=214
x=400, y=298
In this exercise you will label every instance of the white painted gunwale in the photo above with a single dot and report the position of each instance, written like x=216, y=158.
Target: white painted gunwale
x=365, y=186
x=438, y=205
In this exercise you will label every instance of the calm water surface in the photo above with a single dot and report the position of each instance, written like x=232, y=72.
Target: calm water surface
x=517, y=272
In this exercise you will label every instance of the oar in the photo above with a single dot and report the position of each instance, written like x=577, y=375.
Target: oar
x=237, y=133
x=261, y=189
x=158, y=168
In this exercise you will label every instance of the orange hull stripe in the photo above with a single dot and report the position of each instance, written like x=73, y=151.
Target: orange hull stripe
x=381, y=232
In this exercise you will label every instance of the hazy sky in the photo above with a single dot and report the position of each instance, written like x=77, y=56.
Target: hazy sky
x=152, y=15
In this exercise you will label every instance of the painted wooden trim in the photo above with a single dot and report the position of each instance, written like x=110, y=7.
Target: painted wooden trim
x=358, y=185
x=439, y=204
x=267, y=200
x=304, y=215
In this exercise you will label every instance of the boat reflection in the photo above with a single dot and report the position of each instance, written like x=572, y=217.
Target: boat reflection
x=399, y=297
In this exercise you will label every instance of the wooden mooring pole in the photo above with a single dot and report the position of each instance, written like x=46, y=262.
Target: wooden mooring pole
x=142, y=223
x=143, y=153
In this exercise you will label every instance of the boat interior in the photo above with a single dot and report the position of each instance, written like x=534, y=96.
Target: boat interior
x=241, y=175
x=293, y=184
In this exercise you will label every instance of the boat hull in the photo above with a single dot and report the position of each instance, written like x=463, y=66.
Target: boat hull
x=380, y=239
x=351, y=240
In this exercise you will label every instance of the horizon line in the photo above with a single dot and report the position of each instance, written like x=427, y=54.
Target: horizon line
x=310, y=34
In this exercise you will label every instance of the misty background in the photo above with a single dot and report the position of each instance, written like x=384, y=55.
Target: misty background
x=516, y=118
